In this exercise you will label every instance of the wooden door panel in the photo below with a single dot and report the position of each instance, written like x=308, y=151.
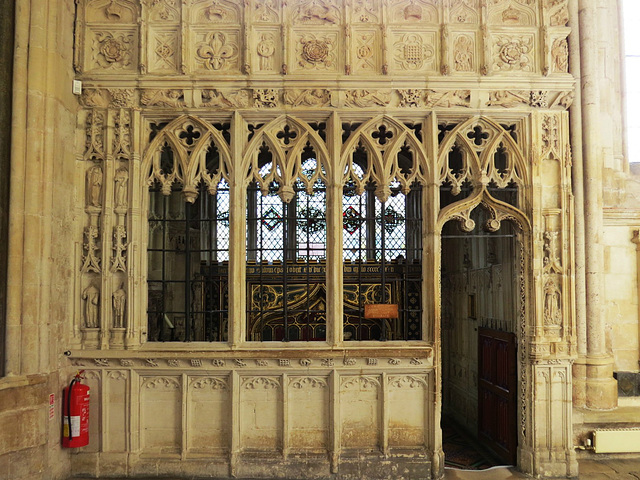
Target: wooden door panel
x=497, y=392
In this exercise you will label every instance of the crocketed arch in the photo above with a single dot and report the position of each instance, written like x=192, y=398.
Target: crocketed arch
x=285, y=138
x=479, y=152
x=382, y=138
x=189, y=138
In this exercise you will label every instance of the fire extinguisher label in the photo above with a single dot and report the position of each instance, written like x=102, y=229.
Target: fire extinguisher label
x=75, y=427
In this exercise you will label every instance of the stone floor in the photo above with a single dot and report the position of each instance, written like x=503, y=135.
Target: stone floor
x=589, y=470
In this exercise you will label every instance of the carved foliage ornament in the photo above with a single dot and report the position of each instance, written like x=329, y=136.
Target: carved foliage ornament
x=265, y=97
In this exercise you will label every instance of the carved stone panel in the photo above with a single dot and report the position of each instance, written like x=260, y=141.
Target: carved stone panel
x=316, y=50
x=112, y=51
x=111, y=11
x=163, y=50
x=267, y=50
x=367, y=50
x=260, y=413
x=216, y=12
x=315, y=12
x=560, y=56
x=464, y=54
x=208, y=414
x=415, y=51
x=164, y=11
x=407, y=399
x=216, y=50
x=309, y=428
x=414, y=11
x=366, y=11
x=511, y=12
x=360, y=411
x=161, y=417
x=266, y=11
x=464, y=11
x=514, y=53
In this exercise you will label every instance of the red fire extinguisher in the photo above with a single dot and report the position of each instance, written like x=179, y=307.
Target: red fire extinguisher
x=75, y=413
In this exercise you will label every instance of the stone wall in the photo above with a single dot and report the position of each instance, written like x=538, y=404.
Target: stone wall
x=38, y=266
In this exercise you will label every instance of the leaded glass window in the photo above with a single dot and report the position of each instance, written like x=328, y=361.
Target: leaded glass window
x=286, y=259
x=188, y=263
x=382, y=251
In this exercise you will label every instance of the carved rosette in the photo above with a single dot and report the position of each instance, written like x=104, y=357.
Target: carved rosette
x=113, y=50
x=512, y=53
x=317, y=52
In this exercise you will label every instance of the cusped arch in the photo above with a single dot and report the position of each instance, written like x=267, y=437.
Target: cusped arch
x=383, y=167
x=498, y=211
x=481, y=164
x=189, y=158
x=286, y=151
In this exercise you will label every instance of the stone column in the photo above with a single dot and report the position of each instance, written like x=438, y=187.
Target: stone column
x=577, y=181
x=601, y=388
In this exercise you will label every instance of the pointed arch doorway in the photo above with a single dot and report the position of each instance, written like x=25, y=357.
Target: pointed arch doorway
x=479, y=324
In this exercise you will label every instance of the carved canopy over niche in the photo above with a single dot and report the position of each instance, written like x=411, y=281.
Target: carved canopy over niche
x=301, y=37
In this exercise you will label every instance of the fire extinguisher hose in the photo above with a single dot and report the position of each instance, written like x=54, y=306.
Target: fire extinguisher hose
x=69, y=407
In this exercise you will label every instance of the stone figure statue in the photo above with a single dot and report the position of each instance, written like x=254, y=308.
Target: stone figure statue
x=119, y=302
x=94, y=185
x=121, y=179
x=552, y=315
x=91, y=297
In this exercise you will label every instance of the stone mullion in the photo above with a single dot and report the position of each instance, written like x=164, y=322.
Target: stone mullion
x=385, y=31
x=80, y=177
x=120, y=258
x=567, y=242
x=544, y=41
x=431, y=289
x=144, y=38
x=485, y=65
x=237, y=235
x=93, y=251
x=78, y=38
x=334, y=242
x=247, y=28
x=539, y=344
x=184, y=37
x=138, y=233
x=106, y=311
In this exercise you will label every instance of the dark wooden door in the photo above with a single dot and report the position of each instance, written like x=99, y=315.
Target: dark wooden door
x=497, y=401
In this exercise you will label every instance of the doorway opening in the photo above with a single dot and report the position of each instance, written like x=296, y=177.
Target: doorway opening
x=479, y=278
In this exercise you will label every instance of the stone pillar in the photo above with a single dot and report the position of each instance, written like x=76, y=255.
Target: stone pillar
x=601, y=388
x=577, y=181
x=6, y=57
